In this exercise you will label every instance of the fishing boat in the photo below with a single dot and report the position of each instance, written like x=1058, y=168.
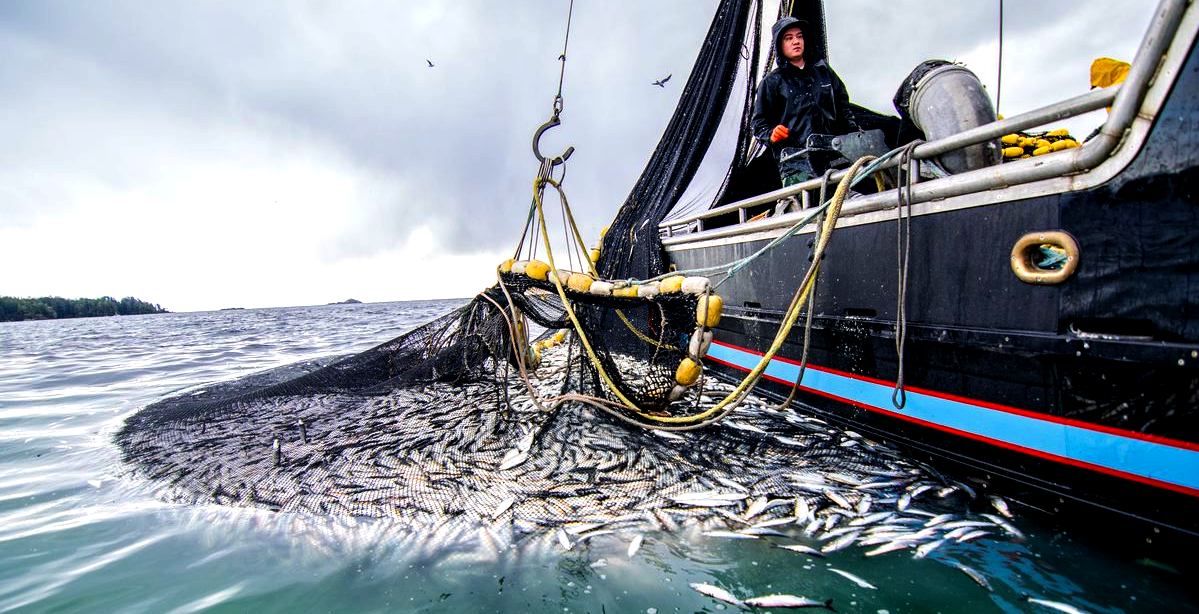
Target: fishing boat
x=937, y=324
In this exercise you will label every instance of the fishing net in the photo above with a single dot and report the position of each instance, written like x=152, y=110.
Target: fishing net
x=508, y=419
x=521, y=398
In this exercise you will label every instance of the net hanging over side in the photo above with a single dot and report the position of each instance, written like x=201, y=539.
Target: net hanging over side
x=634, y=349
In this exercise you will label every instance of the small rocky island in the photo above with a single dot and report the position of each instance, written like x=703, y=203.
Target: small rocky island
x=349, y=301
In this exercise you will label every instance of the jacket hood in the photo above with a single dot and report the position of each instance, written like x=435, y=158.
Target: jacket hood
x=811, y=43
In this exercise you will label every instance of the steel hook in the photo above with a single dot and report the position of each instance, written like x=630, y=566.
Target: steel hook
x=555, y=161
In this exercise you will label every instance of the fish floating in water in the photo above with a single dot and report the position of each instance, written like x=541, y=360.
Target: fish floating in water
x=852, y=578
x=787, y=601
x=715, y=592
x=635, y=545
x=1056, y=605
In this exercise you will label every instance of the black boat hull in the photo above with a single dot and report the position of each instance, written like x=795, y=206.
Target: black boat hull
x=1087, y=391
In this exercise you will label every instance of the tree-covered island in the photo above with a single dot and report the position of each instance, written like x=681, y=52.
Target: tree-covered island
x=13, y=309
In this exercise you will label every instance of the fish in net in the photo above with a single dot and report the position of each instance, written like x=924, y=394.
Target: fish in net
x=468, y=429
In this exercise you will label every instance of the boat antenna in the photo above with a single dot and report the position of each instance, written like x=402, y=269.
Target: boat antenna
x=999, y=77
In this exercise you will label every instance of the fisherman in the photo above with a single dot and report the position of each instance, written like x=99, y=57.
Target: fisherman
x=803, y=96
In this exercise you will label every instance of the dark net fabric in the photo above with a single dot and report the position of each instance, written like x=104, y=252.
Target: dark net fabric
x=637, y=342
x=436, y=431
x=631, y=247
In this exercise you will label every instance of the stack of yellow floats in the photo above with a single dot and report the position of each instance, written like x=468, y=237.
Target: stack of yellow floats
x=707, y=316
x=707, y=312
x=1020, y=145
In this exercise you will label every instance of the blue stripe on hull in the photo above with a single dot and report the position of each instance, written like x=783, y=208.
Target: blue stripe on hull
x=1150, y=460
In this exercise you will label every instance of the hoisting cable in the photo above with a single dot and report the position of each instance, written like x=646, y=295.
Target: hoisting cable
x=562, y=58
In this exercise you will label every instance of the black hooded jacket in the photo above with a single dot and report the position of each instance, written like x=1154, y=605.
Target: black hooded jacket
x=808, y=100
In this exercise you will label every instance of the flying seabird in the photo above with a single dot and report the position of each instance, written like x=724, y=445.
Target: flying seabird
x=662, y=82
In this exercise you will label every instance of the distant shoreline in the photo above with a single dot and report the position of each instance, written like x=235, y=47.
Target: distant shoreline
x=14, y=309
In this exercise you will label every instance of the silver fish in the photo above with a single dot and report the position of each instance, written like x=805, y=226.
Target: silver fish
x=802, y=511
x=802, y=549
x=665, y=520
x=836, y=497
x=936, y=520
x=668, y=435
x=502, y=507
x=973, y=535
x=898, y=544
x=842, y=478
x=729, y=534
x=731, y=484
x=787, y=601
x=755, y=507
x=977, y=577
x=513, y=458
x=564, y=540
x=576, y=529
x=1057, y=605
x=759, y=531
x=635, y=545
x=773, y=522
x=711, y=495
x=840, y=542
x=967, y=489
x=852, y=578
x=923, y=550
x=965, y=523
x=1001, y=506
x=958, y=532
x=864, y=505
x=915, y=491
x=871, y=519
x=715, y=592
x=1007, y=526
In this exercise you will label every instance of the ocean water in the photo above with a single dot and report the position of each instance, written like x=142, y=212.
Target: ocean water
x=80, y=533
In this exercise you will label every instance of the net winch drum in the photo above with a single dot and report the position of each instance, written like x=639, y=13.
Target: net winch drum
x=948, y=100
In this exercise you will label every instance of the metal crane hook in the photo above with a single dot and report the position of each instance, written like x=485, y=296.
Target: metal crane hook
x=555, y=161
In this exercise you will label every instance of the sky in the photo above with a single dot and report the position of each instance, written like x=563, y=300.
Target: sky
x=256, y=154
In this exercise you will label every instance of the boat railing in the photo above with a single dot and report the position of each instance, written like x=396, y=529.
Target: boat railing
x=1125, y=101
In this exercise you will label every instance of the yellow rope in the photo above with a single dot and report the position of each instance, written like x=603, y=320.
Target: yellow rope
x=718, y=410
x=591, y=265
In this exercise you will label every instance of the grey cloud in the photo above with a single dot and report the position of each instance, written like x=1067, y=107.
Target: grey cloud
x=446, y=147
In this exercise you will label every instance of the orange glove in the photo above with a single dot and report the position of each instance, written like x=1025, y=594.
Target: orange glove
x=779, y=133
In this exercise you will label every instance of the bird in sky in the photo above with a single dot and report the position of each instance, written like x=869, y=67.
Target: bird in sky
x=430, y=63
x=662, y=82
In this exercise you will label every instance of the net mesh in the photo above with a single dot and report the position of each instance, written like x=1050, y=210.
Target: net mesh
x=442, y=426
x=446, y=432
x=634, y=344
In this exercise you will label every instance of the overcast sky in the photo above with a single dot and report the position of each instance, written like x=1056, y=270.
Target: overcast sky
x=214, y=154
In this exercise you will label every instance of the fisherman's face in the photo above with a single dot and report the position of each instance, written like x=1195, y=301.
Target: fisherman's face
x=792, y=44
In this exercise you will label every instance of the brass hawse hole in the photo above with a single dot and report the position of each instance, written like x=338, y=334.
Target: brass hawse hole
x=1045, y=258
